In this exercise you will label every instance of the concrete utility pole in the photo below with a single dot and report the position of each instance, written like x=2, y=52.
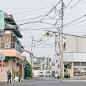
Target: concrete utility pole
x=59, y=55
x=55, y=52
x=62, y=39
x=48, y=63
x=32, y=54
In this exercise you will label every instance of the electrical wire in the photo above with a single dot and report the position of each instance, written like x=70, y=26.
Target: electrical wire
x=44, y=42
x=83, y=1
x=31, y=19
x=67, y=34
x=75, y=4
x=32, y=10
x=34, y=29
x=76, y=23
x=72, y=21
x=50, y=11
x=68, y=4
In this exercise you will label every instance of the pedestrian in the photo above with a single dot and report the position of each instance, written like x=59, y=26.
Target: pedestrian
x=9, y=78
x=8, y=74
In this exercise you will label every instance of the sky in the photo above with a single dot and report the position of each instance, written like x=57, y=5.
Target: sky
x=25, y=11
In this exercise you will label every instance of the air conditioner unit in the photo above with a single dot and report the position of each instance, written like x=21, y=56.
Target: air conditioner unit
x=7, y=45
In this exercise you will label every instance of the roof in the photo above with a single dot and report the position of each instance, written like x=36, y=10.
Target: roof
x=12, y=27
x=11, y=24
x=5, y=15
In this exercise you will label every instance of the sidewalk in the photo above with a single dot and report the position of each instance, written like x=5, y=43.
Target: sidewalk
x=5, y=81
x=72, y=79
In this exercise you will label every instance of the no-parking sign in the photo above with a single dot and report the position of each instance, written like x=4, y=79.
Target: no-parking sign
x=21, y=62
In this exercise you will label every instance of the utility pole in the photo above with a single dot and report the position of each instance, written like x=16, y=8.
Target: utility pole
x=48, y=63
x=62, y=39
x=32, y=53
x=55, y=52
x=59, y=55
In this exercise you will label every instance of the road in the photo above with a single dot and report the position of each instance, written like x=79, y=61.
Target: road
x=41, y=81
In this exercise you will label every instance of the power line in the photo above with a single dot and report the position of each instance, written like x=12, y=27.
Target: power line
x=75, y=20
x=84, y=2
x=75, y=4
x=32, y=18
x=67, y=34
x=72, y=21
x=32, y=10
x=75, y=32
x=42, y=18
x=76, y=23
x=69, y=3
x=44, y=42
x=28, y=23
x=34, y=29
x=50, y=10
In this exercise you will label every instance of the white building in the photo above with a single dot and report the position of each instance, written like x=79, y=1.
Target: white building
x=74, y=57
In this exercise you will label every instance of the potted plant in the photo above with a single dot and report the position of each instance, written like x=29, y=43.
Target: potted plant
x=19, y=77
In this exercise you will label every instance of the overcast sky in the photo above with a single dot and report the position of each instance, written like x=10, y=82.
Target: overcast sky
x=24, y=10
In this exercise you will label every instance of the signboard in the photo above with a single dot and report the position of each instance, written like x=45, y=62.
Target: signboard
x=2, y=56
x=21, y=62
x=1, y=20
x=1, y=64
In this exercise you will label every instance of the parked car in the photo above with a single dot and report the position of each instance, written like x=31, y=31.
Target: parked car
x=41, y=73
x=56, y=74
x=47, y=73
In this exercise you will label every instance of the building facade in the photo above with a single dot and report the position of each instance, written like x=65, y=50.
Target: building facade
x=10, y=46
x=74, y=57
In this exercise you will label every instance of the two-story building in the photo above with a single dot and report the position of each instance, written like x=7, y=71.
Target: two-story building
x=10, y=46
x=74, y=57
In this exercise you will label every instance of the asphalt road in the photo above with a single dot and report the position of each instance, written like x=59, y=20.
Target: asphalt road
x=41, y=81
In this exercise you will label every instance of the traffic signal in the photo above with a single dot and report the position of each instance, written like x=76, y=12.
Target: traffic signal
x=48, y=34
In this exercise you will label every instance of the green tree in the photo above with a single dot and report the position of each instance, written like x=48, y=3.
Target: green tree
x=29, y=71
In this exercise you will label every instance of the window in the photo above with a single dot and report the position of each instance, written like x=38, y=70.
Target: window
x=83, y=63
x=76, y=63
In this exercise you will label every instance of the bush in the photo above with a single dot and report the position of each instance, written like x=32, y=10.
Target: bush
x=16, y=73
x=31, y=75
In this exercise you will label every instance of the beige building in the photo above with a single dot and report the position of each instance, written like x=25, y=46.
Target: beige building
x=74, y=57
x=10, y=46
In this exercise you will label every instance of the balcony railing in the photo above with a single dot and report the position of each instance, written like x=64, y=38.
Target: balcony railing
x=11, y=45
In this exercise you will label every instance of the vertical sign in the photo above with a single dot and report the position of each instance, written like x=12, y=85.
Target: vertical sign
x=1, y=20
x=2, y=57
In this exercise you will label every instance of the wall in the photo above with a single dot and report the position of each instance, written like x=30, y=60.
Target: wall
x=75, y=44
x=5, y=69
x=36, y=72
x=74, y=57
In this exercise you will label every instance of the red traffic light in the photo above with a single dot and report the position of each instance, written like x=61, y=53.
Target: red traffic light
x=47, y=33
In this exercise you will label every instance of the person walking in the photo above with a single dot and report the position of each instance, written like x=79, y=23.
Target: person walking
x=9, y=78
